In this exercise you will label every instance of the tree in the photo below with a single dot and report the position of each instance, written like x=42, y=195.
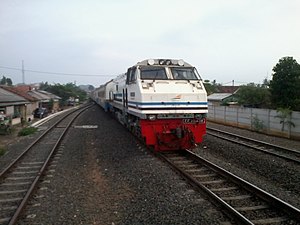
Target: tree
x=6, y=81
x=254, y=96
x=285, y=85
x=66, y=91
x=210, y=87
x=44, y=86
x=91, y=88
x=285, y=119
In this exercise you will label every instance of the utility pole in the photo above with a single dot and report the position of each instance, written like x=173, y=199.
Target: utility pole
x=23, y=72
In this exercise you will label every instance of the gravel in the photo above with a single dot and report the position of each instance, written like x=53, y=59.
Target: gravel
x=14, y=146
x=284, y=142
x=277, y=176
x=105, y=176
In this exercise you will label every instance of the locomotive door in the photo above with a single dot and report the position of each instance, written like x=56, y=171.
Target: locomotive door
x=125, y=98
x=130, y=79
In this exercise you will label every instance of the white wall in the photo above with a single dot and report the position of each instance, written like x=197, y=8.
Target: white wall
x=262, y=120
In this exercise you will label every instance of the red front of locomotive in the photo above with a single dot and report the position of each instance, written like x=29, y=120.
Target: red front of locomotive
x=173, y=134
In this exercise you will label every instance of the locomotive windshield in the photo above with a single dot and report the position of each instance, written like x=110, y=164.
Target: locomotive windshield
x=184, y=73
x=153, y=73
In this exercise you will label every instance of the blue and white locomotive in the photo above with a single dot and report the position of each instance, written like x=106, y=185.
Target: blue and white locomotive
x=162, y=101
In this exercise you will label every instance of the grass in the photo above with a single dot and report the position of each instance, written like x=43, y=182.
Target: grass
x=27, y=131
x=2, y=151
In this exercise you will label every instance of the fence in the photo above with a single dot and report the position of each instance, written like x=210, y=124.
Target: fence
x=262, y=120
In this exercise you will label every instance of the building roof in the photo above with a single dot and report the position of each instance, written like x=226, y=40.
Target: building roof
x=53, y=96
x=21, y=91
x=227, y=89
x=40, y=96
x=10, y=98
x=218, y=96
x=30, y=93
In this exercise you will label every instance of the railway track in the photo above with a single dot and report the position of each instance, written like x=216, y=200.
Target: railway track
x=268, y=148
x=19, y=179
x=242, y=201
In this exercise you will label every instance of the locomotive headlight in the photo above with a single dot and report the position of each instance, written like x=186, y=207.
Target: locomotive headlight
x=198, y=85
x=145, y=85
x=151, y=117
x=151, y=62
x=180, y=62
x=198, y=116
x=168, y=62
x=161, y=62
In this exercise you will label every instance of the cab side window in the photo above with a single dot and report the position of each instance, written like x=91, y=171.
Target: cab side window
x=131, y=75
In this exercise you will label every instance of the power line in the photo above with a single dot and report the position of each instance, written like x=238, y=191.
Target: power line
x=57, y=73
x=23, y=72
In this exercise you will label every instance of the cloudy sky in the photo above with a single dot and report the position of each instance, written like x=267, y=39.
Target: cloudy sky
x=92, y=41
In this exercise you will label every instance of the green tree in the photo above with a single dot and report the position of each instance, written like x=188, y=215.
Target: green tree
x=285, y=119
x=91, y=88
x=6, y=81
x=253, y=95
x=285, y=85
x=210, y=87
x=44, y=86
x=65, y=91
x=266, y=83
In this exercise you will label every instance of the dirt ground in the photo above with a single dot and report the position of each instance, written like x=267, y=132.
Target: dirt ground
x=6, y=139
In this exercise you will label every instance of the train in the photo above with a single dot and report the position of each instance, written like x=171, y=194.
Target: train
x=161, y=101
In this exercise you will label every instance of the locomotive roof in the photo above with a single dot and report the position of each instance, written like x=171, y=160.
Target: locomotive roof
x=163, y=62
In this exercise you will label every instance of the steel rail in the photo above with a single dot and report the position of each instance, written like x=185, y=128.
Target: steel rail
x=4, y=171
x=34, y=183
x=234, y=213
x=262, y=143
x=274, y=201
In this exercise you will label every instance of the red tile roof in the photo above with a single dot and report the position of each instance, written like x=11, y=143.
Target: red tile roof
x=21, y=91
x=227, y=89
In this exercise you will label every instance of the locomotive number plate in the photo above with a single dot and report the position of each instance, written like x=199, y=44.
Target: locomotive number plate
x=190, y=121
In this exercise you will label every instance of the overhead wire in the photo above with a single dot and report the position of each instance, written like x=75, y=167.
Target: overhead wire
x=57, y=73
x=83, y=75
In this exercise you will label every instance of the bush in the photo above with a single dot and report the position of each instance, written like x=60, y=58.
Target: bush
x=27, y=131
x=2, y=151
x=257, y=124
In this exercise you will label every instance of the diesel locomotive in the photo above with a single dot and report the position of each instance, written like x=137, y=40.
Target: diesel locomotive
x=162, y=101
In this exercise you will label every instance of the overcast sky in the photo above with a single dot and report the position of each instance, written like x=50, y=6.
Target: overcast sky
x=240, y=40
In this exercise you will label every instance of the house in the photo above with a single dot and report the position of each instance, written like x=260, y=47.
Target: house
x=23, y=92
x=54, y=102
x=223, y=96
x=228, y=89
x=13, y=105
x=19, y=102
x=43, y=100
